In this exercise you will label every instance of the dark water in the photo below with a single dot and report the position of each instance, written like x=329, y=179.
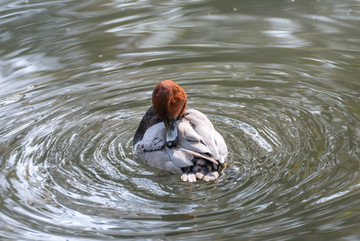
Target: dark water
x=279, y=80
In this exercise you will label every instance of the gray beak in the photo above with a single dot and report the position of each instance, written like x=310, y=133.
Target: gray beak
x=171, y=132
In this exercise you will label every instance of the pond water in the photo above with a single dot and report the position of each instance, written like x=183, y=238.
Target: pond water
x=279, y=79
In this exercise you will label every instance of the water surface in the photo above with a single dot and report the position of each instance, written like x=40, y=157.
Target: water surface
x=279, y=80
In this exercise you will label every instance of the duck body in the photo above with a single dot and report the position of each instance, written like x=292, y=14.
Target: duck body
x=187, y=143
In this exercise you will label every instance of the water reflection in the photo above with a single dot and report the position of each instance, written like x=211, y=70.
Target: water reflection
x=278, y=79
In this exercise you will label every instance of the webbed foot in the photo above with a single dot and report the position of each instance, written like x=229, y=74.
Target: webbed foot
x=202, y=170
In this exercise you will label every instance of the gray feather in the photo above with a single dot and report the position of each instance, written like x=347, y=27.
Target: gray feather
x=197, y=137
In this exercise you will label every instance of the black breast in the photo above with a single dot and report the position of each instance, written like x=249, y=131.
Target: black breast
x=150, y=118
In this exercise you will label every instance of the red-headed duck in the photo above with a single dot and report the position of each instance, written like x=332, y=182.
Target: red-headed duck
x=178, y=140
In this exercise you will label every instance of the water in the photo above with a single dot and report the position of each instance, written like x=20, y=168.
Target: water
x=279, y=80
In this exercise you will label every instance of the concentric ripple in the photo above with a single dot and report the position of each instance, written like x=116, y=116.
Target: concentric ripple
x=71, y=169
x=278, y=80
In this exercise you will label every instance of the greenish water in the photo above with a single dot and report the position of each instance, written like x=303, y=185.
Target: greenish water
x=279, y=80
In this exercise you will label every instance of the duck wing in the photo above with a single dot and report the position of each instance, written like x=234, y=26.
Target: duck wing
x=197, y=140
x=152, y=150
x=199, y=135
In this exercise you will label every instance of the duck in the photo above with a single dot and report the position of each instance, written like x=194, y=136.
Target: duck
x=179, y=140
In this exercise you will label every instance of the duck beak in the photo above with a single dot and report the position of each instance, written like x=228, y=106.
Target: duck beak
x=171, y=131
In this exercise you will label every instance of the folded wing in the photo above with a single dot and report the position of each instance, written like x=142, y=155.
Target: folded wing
x=197, y=138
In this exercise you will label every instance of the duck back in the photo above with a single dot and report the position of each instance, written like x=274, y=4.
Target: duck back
x=199, y=151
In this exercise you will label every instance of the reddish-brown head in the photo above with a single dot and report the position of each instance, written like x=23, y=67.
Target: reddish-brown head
x=169, y=101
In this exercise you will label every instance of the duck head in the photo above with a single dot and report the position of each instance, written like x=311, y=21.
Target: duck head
x=169, y=101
